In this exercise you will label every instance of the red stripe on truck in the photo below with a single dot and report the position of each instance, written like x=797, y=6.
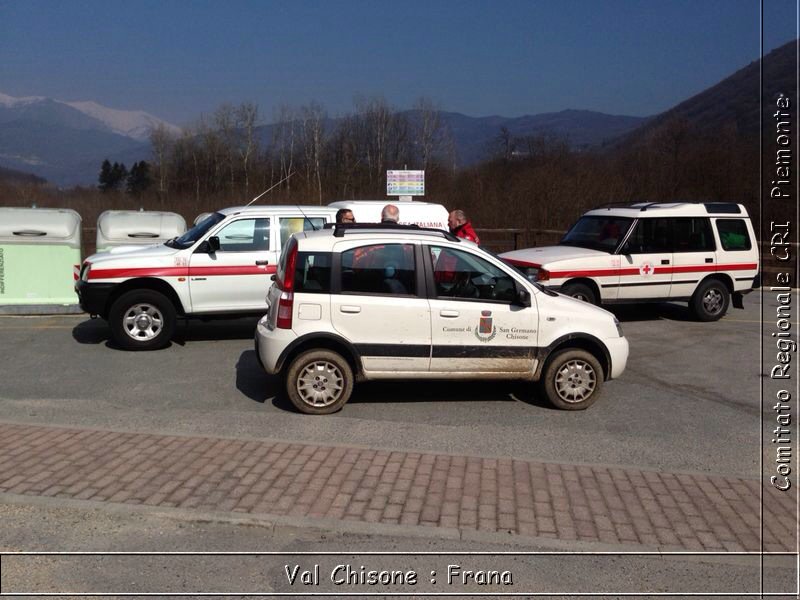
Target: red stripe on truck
x=658, y=269
x=182, y=271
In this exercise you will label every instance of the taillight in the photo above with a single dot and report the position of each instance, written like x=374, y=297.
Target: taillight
x=543, y=275
x=286, y=285
x=285, y=278
x=285, y=309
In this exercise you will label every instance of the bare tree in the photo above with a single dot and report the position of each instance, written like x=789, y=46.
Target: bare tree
x=225, y=122
x=283, y=140
x=162, y=142
x=246, y=121
x=430, y=130
x=313, y=127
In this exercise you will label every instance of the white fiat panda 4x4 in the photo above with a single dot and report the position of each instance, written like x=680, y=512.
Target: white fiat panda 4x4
x=362, y=302
x=705, y=254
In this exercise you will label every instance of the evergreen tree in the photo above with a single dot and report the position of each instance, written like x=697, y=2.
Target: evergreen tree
x=118, y=175
x=105, y=180
x=139, y=178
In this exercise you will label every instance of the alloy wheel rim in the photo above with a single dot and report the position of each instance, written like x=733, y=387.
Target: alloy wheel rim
x=575, y=381
x=712, y=301
x=143, y=322
x=320, y=384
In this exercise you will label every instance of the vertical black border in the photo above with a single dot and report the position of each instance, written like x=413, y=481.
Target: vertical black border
x=761, y=315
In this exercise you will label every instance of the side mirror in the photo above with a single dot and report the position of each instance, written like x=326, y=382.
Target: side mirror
x=523, y=297
x=213, y=244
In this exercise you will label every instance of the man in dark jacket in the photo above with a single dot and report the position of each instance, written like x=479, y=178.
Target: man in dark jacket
x=460, y=226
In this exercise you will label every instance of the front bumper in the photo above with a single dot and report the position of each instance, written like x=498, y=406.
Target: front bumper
x=93, y=297
x=618, y=352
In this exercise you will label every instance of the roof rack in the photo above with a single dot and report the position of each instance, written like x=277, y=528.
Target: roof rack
x=711, y=207
x=340, y=229
x=610, y=205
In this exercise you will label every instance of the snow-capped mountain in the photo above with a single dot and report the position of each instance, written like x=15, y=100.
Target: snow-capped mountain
x=65, y=142
x=135, y=124
x=131, y=123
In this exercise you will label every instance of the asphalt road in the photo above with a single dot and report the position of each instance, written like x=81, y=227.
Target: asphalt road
x=689, y=399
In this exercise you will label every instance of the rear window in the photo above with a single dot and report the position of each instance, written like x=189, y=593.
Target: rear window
x=733, y=234
x=312, y=274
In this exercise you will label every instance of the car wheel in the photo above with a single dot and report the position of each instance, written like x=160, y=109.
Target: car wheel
x=580, y=291
x=710, y=301
x=573, y=379
x=319, y=382
x=142, y=320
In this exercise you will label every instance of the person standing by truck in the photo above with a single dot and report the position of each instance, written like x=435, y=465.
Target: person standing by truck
x=461, y=227
x=345, y=215
x=390, y=214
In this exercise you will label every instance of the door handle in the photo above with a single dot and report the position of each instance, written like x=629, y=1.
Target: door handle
x=709, y=260
x=350, y=309
x=262, y=263
x=665, y=261
x=448, y=314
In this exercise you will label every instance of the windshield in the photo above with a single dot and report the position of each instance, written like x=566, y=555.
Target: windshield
x=189, y=238
x=597, y=232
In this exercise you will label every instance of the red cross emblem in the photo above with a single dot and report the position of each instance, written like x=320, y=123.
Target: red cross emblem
x=646, y=269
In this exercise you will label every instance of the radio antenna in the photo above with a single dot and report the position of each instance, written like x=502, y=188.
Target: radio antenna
x=265, y=192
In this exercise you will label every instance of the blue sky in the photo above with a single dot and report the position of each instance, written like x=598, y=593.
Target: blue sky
x=180, y=59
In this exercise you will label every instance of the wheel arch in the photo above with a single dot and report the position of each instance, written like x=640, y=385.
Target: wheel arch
x=581, y=341
x=588, y=282
x=322, y=340
x=145, y=283
x=723, y=277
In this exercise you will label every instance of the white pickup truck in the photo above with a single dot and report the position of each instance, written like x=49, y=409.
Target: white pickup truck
x=220, y=267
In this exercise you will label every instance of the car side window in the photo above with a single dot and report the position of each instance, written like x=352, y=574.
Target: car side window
x=733, y=235
x=386, y=269
x=692, y=234
x=650, y=236
x=245, y=235
x=460, y=274
x=290, y=225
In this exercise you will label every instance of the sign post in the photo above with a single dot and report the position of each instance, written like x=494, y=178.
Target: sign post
x=405, y=184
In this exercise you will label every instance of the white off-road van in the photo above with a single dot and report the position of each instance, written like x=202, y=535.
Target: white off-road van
x=706, y=254
x=220, y=267
x=362, y=301
x=422, y=214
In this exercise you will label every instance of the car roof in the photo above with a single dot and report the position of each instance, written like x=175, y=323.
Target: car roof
x=282, y=209
x=324, y=239
x=642, y=210
x=380, y=203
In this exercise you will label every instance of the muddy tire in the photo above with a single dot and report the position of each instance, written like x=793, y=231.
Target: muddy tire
x=572, y=380
x=319, y=382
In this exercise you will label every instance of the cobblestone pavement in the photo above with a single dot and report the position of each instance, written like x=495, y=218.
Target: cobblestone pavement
x=567, y=502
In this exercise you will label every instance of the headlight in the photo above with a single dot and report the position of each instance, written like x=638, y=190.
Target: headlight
x=536, y=274
x=619, y=327
x=85, y=271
